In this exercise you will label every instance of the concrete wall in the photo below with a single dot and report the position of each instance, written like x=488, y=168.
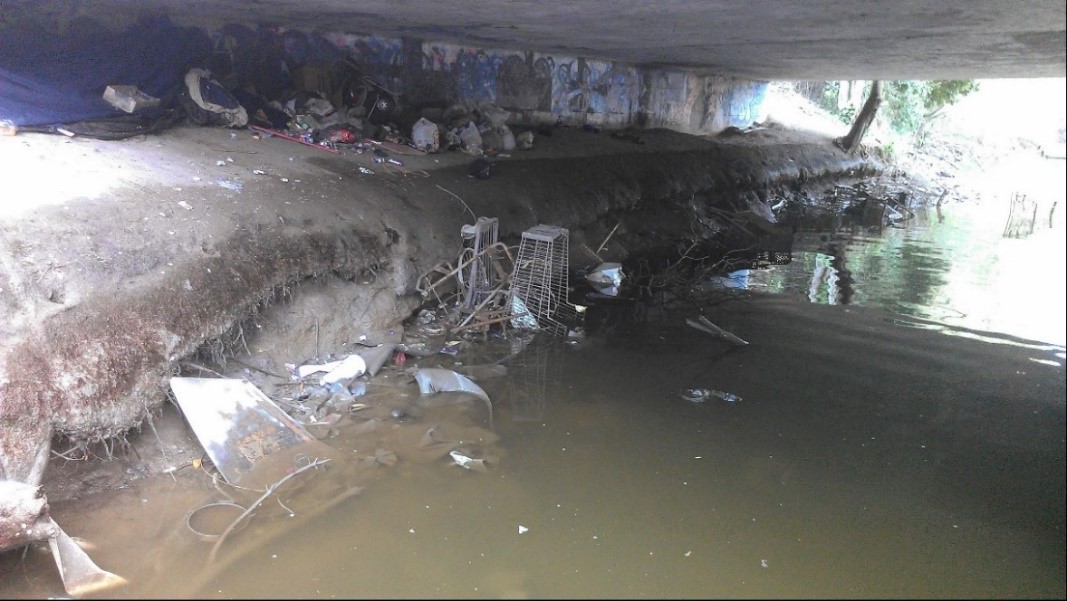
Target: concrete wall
x=536, y=87
x=543, y=88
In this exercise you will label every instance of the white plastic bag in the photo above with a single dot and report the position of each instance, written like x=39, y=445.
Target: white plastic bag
x=471, y=139
x=426, y=136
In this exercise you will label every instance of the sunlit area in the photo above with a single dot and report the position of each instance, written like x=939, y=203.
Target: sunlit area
x=962, y=262
x=45, y=174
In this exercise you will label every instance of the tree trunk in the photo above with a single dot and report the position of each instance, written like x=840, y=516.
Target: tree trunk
x=863, y=121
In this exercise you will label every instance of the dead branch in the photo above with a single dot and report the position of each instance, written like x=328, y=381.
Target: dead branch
x=270, y=490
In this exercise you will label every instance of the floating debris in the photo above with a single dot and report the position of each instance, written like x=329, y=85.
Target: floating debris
x=467, y=462
x=700, y=395
x=704, y=325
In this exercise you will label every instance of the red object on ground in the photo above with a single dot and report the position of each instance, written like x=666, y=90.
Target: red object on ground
x=282, y=134
x=400, y=359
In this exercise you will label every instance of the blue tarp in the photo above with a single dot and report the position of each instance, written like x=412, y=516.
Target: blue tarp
x=46, y=79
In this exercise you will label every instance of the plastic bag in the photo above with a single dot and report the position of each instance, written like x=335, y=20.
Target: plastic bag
x=426, y=136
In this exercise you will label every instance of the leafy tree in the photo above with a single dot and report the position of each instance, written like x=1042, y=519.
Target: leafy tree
x=911, y=104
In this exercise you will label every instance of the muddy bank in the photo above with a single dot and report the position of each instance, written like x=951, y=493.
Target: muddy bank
x=200, y=230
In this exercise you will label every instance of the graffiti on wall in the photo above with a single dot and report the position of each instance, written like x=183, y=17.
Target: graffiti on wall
x=525, y=82
x=731, y=102
x=742, y=101
x=667, y=95
x=583, y=86
x=530, y=81
x=368, y=49
x=473, y=70
x=578, y=88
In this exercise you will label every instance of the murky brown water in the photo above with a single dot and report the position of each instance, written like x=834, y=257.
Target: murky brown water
x=865, y=459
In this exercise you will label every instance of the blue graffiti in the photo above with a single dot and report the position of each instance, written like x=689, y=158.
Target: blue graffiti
x=476, y=75
x=582, y=86
x=741, y=102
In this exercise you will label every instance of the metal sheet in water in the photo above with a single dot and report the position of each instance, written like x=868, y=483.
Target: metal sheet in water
x=235, y=422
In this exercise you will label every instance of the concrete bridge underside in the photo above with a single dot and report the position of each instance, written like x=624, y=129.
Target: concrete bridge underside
x=757, y=40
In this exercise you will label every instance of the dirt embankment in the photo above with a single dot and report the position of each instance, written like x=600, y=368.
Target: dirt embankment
x=175, y=241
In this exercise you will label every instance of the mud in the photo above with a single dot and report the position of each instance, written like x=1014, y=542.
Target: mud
x=121, y=261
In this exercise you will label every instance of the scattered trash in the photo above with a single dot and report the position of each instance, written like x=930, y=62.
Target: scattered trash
x=480, y=168
x=376, y=356
x=270, y=490
x=259, y=172
x=523, y=529
x=523, y=319
x=285, y=136
x=208, y=522
x=763, y=563
x=540, y=277
x=230, y=185
x=351, y=366
x=185, y=205
x=220, y=163
x=606, y=278
x=525, y=140
x=235, y=422
x=450, y=348
x=129, y=98
x=470, y=138
x=426, y=136
x=365, y=171
x=306, y=370
x=80, y=575
x=207, y=102
x=508, y=138
x=606, y=238
x=394, y=162
x=700, y=395
x=704, y=325
x=470, y=463
x=435, y=379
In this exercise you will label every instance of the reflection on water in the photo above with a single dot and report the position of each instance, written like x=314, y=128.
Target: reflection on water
x=951, y=265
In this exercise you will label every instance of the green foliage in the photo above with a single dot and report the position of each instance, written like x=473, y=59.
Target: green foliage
x=889, y=151
x=829, y=103
x=946, y=92
x=909, y=103
x=906, y=104
x=845, y=114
